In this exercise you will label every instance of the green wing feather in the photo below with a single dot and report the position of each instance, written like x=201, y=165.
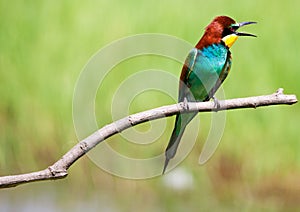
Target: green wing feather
x=202, y=74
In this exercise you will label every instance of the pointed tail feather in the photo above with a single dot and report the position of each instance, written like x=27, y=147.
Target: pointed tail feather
x=166, y=164
x=181, y=121
x=172, y=146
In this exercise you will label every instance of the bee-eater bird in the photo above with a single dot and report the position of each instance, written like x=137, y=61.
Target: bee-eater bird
x=205, y=68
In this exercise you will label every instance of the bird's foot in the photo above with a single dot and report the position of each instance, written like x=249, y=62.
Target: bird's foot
x=185, y=104
x=216, y=104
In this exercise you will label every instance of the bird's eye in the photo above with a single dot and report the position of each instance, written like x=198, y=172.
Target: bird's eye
x=234, y=27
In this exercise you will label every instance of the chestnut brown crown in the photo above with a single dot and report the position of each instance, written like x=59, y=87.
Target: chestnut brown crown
x=219, y=28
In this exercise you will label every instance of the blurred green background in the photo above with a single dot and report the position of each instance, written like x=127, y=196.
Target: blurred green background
x=44, y=46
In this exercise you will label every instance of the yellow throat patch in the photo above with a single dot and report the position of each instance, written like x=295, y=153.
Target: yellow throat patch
x=230, y=39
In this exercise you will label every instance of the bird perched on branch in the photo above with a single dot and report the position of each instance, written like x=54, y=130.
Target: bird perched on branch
x=205, y=68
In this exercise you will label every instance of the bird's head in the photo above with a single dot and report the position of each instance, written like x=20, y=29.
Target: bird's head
x=222, y=29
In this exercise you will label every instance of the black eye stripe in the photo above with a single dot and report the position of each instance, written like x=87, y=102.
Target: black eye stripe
x=234, y=27
x=227, y=31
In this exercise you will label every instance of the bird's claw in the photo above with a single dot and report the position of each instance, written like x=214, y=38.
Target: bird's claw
x=185, y=104
x=216, y=103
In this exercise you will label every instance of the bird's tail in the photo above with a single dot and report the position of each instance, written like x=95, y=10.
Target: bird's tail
x=180, y=124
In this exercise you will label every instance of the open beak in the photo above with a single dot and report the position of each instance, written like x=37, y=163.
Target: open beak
x=243, y=33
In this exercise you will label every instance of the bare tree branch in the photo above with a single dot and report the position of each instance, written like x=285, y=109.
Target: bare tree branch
x=59, y=169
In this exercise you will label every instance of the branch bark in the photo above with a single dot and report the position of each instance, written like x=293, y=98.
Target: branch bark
x=59, y=169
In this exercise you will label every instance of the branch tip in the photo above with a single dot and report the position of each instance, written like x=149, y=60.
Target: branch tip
x=279, y=91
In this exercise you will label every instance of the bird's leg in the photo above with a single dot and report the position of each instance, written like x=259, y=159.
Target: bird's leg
x=216, y=103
